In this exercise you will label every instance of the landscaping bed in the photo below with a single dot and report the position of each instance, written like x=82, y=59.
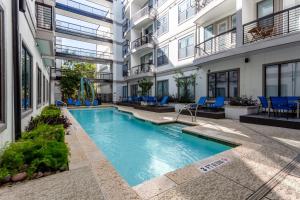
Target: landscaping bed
x=39, y=152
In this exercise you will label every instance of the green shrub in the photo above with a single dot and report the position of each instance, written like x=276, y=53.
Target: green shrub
x=34, y=156
x=4, y=173
x=45, y=131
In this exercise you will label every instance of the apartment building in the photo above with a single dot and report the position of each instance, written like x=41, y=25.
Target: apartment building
x=89, y=31
x=31, y=47
x=232, y=47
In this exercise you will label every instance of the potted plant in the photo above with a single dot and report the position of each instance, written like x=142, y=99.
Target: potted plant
x=239, y=106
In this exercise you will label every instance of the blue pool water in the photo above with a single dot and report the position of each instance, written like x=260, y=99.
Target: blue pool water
x=141, y=150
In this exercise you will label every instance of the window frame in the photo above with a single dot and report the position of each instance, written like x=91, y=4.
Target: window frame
x=166, y=30
x=39, y=87
x=27, y=53
x=44, y=89
x=264, y=68
x=258, y=3
x=228, y=82
x=3, y=94
x=185, y=11
x=161, y=81
x=163, y=52
x=179, y=41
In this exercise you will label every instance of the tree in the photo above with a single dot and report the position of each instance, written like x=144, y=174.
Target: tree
x=145, y=85
x=184, y=82
x=72, y=72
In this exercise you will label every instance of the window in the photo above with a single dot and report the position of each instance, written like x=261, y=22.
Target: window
x=233, y=21
x=162, y=88
x=162, y=56
x=225, y=84
x=44, y=89
x=162, y=24
x=39, y=86
x=186, y=91
x=282, y=79
x=47, y=91
x=265, y=8
x=186, y=47
x=134, y=90
x=147, y=59
x=125, y=91
x=2, y=67
x=26, y=80
x=185, y=10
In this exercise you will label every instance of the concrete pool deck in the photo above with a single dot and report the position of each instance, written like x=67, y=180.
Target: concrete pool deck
x=264, y=166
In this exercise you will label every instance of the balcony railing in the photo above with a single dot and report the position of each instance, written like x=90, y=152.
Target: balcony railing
x=125, y=26
x=44, y=16
x=82, y=29
x=221, y=42
x=140, y=69
x=125, y=49
x=143, y=12
x=146, y=39
x=82, y=52
x=86, y=8
x=104, y=76
x=280, y=23
x=200, y=4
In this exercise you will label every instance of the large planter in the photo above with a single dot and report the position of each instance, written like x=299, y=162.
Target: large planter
x=234, y=112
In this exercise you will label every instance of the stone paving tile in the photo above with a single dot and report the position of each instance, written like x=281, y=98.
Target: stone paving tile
x=288, y=189
x=210, y=186
x=182, y=175
x=76, y=185
x=154, y=187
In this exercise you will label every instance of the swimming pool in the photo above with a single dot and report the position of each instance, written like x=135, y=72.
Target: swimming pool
x=140, y=150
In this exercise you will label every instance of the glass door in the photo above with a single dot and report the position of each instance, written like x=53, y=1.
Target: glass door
x=208, y=45
x=222, y=28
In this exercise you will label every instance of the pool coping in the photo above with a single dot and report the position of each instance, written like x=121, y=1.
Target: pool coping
x=157, y=185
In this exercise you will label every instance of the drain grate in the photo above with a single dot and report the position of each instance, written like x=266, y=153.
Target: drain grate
x=268, y=186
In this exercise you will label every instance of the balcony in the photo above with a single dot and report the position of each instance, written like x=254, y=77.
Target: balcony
x=125, y=50
x=82, y=31
x=45, y=33
x=126, y=28
x=85, y=10
x=143, y=17
x=63, y=51
x=219, y=43
x=278, y=24
x=101, y=76
x=139, y=71
x=143, y=43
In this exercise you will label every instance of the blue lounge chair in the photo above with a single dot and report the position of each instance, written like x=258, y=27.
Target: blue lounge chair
x=193, y=107
x=164, y=100
x=263, y=103
x=151, y=100
x=59, y=103
x=87, y=103
x=70, y=102
x=201, y=103
x=281, y=104
x=219, y=103
x=292, y=102
x=96, y=102
x=77, y=103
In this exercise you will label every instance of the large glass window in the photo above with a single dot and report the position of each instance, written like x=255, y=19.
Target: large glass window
x=186, y=10
x=2, y=66
x=225, y=84
x=282, y=79
x=39, y=86
x=186, y=46
x=147, y=59
x=162, y=56
x=134, y=90
x=162, y=88
x=186, y=91
x=26, y=80
x=125, y=91
x=264, y=8
x=162, y=24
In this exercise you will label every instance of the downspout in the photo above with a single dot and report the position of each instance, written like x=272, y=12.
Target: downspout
x=16, y=68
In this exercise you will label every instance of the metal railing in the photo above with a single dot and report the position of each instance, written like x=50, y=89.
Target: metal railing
x=276, y=24
x=221, y=42
x=86, y=8
x=147, y=10
x=82, y=52
x=44, y=16
x=146, y=39
x=125, y=26
x=82, y=29
x=104, y=76
x=200, y=4
x=140, y=69
x=125, y=49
